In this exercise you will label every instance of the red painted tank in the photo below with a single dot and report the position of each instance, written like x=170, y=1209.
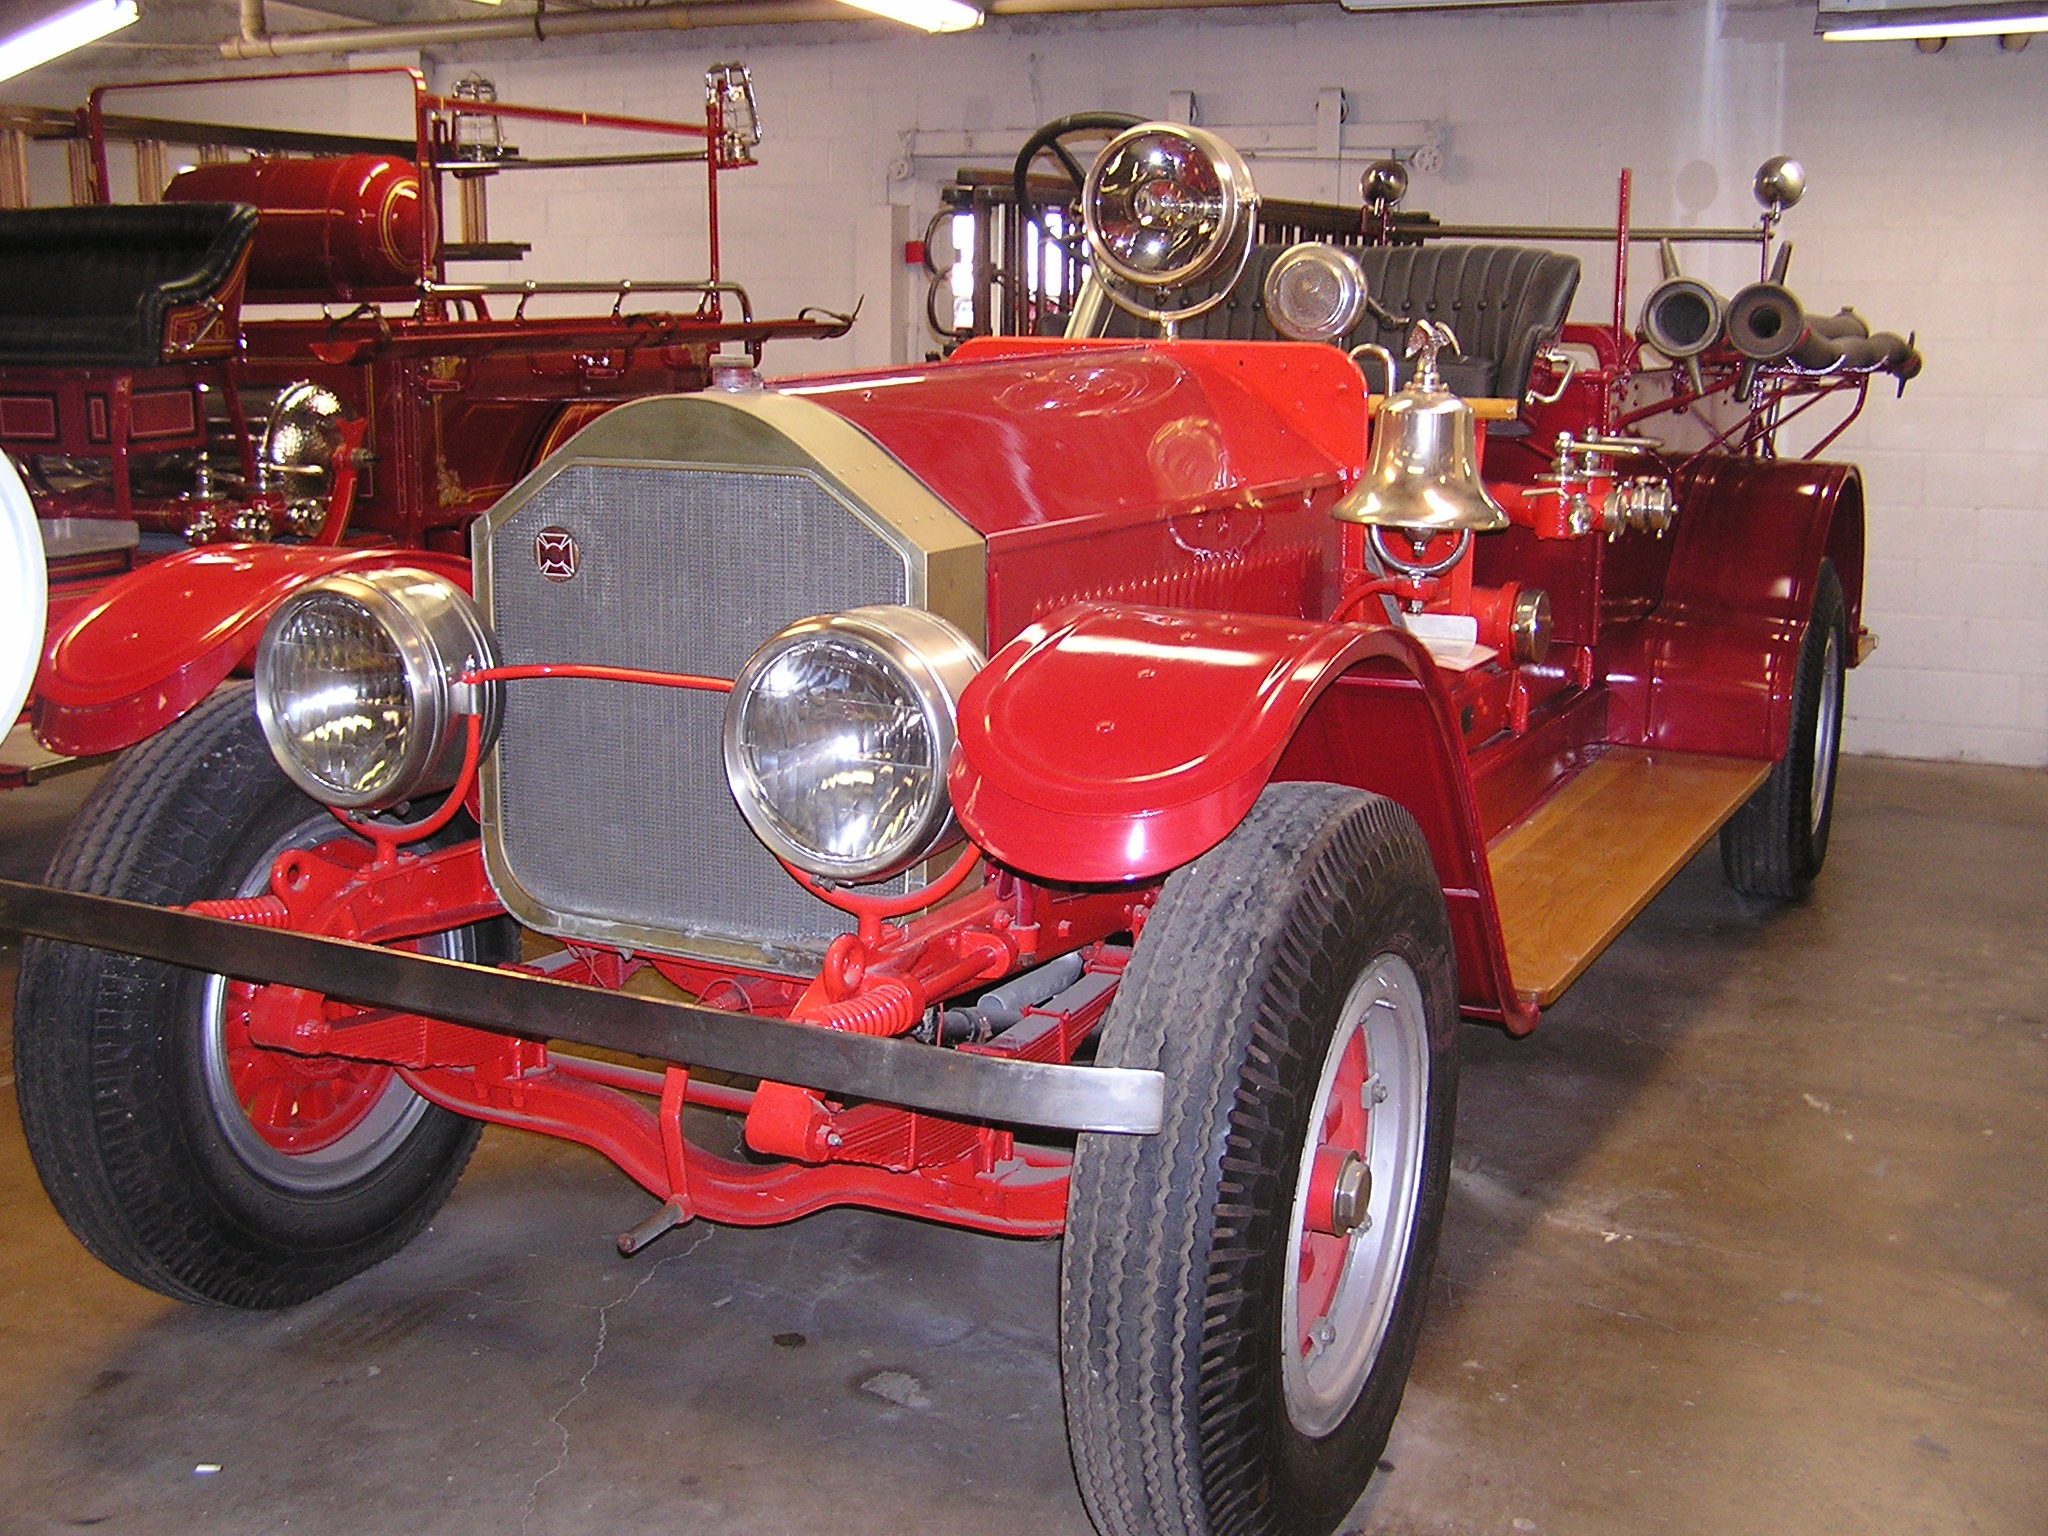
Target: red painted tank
x=344, y=227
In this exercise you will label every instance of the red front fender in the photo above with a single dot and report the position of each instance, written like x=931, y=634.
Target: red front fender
x=1107, y=744
x=156, y=642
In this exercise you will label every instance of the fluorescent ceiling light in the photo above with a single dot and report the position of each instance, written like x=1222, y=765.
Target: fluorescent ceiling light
x=71, y=27
x=1848, y=21
x=1907, y=29
x=1362, y=6
x=926, y=15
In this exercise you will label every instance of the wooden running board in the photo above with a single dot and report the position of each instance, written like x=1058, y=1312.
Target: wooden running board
x=1571, y=875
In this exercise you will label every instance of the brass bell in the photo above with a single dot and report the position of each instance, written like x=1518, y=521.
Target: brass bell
x=1423, y=475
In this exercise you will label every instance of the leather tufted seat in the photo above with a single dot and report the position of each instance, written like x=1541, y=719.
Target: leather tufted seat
x=1503, y=301
x=89, y=287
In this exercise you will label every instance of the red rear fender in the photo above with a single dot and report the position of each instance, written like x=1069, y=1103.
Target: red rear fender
x=1711, y=670
x=153, y=644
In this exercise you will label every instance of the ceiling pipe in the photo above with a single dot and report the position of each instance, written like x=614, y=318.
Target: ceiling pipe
x=264, y=44
x=259, y=42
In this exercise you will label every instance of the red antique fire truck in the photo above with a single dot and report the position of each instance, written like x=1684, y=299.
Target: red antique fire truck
x=266, y=359
x=1077, y=787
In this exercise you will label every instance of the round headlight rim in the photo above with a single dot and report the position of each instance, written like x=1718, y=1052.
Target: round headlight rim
x=769, y=821
x=935, y=658
x=1235, y=186
x=1351, y=277
x=434, y=744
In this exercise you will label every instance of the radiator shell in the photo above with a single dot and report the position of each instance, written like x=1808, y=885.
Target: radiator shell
x=701, y=525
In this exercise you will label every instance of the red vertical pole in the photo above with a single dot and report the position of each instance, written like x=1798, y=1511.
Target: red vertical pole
x=1622, y=349
x=1621, y=259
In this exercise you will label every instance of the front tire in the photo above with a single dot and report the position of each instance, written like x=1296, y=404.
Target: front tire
x=180, y=1154
x=1234, y=1339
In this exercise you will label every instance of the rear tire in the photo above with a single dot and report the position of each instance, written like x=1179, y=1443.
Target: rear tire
x=182, y=1156
x=1230, y=1363
x=1775, y=845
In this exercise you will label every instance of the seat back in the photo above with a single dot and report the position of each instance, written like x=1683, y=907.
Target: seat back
x=89, y=287
x=1503, y=301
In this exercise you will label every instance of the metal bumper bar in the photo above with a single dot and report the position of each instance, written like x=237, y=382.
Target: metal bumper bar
x=901, y=1072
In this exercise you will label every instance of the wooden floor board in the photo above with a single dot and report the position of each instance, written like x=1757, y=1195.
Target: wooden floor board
x=1571, y=875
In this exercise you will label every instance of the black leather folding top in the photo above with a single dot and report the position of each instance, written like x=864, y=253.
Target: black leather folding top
x=1503, y=301
x=88, y=287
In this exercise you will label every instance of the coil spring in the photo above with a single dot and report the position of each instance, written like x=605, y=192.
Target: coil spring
x=889, y=1007
x=257, y=911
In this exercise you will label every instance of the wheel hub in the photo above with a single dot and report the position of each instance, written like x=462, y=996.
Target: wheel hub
x=1340, y=1192
x=1356, y=1197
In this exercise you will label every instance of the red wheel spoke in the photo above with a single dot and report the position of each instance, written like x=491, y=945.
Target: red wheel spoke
x=1323, y=1266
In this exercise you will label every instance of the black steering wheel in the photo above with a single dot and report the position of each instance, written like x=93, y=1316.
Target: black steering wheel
x=1051, y=137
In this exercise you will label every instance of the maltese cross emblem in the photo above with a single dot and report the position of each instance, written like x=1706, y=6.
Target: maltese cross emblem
x=555, y=552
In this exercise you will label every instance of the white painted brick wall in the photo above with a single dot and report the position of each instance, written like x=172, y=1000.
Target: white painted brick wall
x=1927, y=209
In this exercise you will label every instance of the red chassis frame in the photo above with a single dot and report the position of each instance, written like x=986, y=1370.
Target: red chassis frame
x=877, y=980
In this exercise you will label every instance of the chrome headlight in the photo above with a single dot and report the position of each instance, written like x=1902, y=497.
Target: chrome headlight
x=838, y=734
x=1315, y=292
x=300, y=443
x=355, y=685
x=1165, y=206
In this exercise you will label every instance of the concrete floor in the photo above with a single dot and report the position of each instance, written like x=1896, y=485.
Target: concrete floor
x=1750, y=1237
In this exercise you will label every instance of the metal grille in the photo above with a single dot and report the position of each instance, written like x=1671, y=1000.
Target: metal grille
x=613, y=805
